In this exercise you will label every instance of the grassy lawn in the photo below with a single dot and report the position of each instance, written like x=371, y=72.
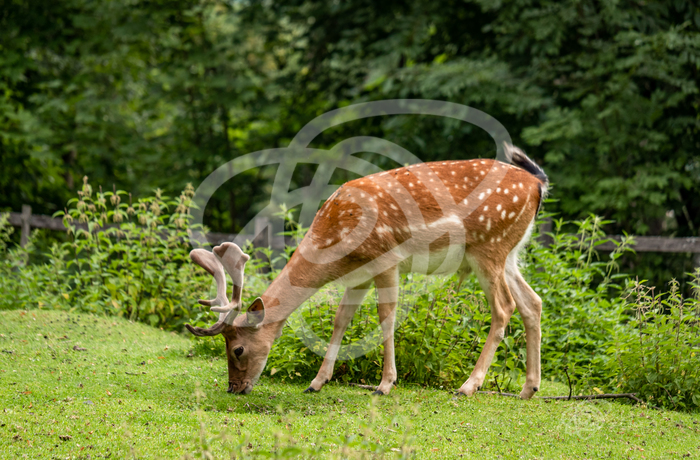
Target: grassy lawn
x=81, y=386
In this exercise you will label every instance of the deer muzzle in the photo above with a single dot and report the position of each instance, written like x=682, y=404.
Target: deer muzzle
x=242, y=388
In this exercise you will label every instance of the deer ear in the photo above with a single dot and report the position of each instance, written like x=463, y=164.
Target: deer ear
x=255, y=313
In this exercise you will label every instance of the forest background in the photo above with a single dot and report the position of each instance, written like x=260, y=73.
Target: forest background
x=140, y=95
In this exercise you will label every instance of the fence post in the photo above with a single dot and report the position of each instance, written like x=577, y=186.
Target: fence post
x=26, y=227
x=262, y=232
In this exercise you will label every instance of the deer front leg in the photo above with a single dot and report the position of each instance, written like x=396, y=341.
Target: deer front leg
x=388, y=293
x=346, y=310
x=502, y=307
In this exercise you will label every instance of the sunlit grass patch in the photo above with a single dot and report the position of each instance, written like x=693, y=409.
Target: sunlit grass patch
x=134, y=391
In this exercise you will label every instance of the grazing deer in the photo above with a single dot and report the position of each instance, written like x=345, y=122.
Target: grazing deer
x=433, y=218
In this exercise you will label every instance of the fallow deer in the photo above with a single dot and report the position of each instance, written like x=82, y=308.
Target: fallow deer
x=434, y=218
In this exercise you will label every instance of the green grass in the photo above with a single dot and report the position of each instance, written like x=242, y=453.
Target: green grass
x=134, y=393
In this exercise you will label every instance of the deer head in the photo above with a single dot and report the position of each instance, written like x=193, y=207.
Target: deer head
x=245, y=351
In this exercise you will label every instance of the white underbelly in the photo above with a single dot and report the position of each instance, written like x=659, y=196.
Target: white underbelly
x=441, y=262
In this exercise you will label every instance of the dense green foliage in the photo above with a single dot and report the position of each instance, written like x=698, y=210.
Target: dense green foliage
x=131, y=260
x=604, y=94
x=122, y=259
x=659, y=359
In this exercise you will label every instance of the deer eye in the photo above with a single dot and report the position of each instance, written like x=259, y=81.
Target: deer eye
x=238, y=351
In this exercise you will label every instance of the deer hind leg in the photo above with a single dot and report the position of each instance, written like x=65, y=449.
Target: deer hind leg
x=387, y=285
x=530, y=307
x=346, y=310
x=502, y=307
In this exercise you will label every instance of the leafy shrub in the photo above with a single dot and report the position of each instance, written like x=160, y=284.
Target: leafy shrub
x=132, y=260
x=121, y=258
x=580, y=297
x=656, y=356
x=5, y=232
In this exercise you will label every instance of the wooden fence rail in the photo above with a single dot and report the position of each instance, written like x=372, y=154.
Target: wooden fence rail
x=26, y=220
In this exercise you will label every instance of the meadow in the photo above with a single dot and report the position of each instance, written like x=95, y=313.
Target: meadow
x=82, y=386
x=96, y=362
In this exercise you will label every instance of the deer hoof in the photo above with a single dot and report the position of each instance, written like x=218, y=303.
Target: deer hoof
x=378, y=393
x=310, y=390
x=528, y=393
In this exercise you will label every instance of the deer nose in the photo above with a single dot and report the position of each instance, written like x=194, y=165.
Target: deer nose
x=239, y=388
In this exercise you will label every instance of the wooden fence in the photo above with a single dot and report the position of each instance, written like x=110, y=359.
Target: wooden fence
x=26, y=221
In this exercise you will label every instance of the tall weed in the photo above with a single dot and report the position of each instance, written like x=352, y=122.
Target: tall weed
x=122, y=258
x=656, y=355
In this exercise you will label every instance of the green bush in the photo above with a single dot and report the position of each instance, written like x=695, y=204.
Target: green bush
x=598, y=327
x=656, y=355
x=125, y=259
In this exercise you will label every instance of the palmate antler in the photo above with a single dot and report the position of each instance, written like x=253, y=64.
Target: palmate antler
x=231, y=258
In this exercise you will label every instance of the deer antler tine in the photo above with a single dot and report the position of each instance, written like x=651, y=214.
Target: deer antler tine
x=201, y=332
x=233, y=260
x=209, y=262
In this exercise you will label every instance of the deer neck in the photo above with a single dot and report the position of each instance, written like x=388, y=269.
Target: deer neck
x=282, y=297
